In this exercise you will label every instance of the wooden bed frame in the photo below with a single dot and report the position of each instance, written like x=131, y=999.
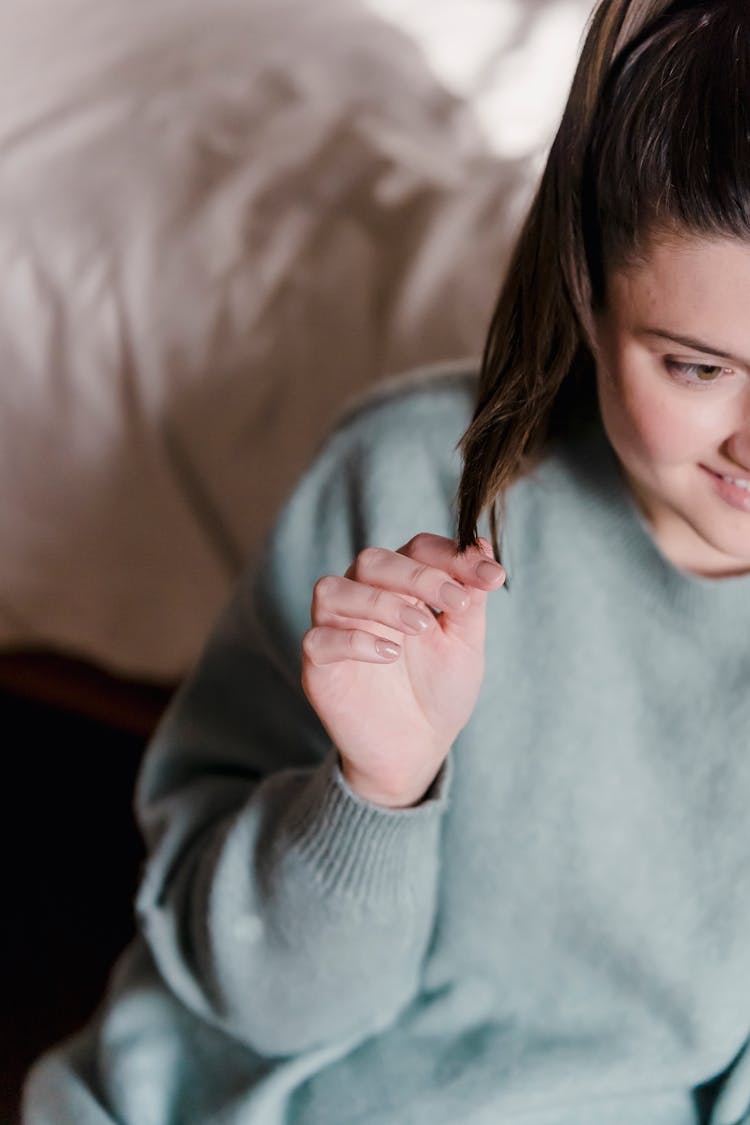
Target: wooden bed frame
x=61, y=681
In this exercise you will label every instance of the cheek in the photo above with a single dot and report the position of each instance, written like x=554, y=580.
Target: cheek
x=647, y=420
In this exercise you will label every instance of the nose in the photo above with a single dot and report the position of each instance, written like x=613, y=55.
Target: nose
x=738, y=453
x=738, y=450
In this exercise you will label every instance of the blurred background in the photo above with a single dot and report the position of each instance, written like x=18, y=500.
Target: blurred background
x=219, y=223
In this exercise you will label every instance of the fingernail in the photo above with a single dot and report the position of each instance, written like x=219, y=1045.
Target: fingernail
x=453, y=597
x=387, y=649
x=489, y=571
x=414, y=619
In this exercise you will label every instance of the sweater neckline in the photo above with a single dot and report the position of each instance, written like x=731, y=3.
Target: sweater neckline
x=689, y=595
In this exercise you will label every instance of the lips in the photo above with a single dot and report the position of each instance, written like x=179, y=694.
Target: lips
x=740, y=481
x=734, y=491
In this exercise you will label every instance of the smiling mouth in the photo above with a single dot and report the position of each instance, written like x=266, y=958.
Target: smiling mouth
x=740, y=482
x=743, y=484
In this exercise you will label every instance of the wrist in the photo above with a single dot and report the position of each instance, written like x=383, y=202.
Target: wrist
x=401, y=794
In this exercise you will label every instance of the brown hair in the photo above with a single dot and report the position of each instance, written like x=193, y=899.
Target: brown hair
x=655, y=136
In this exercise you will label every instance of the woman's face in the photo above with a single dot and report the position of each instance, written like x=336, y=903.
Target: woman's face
x=673, y=375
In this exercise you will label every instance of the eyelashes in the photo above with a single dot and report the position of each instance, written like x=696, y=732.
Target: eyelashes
x=699, y=375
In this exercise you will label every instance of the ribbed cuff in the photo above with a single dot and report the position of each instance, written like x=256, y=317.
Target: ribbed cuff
x=360, y=849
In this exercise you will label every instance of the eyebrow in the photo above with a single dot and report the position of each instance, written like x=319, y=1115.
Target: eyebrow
x=695, y=345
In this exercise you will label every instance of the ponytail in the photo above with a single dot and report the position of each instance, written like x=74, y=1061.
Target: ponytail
x=537, y=374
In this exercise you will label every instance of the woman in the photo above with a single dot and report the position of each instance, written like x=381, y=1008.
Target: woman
x=489, y=862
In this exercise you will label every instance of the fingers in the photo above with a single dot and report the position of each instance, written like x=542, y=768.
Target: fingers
x=427, y=568
x=326, y=645
x=335, y=598
x=476, y=567
x=396, y=590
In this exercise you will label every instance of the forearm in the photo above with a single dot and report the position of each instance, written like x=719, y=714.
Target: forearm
x=303, y=918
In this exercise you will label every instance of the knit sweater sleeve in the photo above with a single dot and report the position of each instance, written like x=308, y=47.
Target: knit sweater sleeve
x=276, y=903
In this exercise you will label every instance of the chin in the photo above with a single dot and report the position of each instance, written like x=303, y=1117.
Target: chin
x=724, y=553
x=695, y=530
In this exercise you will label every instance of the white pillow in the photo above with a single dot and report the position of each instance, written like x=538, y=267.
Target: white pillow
x=217, y=223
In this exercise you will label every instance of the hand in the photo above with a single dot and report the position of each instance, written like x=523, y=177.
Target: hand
x=392, y=682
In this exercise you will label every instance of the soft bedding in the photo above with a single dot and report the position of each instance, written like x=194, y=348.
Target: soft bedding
x=218, y=223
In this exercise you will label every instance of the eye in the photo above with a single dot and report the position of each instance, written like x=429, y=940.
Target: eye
x=696, y=374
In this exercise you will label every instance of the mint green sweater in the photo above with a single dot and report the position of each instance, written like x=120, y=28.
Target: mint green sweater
x=558, y=935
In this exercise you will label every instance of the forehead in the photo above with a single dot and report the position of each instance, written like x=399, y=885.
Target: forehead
x=699, y=286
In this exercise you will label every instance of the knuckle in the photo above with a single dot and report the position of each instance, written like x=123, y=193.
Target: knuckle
x=310, y=643
x=374, y=599
x=417, y=543
x=367, y=558
x=324, y=589
x=419, y=573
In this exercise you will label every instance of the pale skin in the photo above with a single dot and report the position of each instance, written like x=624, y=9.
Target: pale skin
x=394, y=691
x=674, y=413
x=394, y=694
